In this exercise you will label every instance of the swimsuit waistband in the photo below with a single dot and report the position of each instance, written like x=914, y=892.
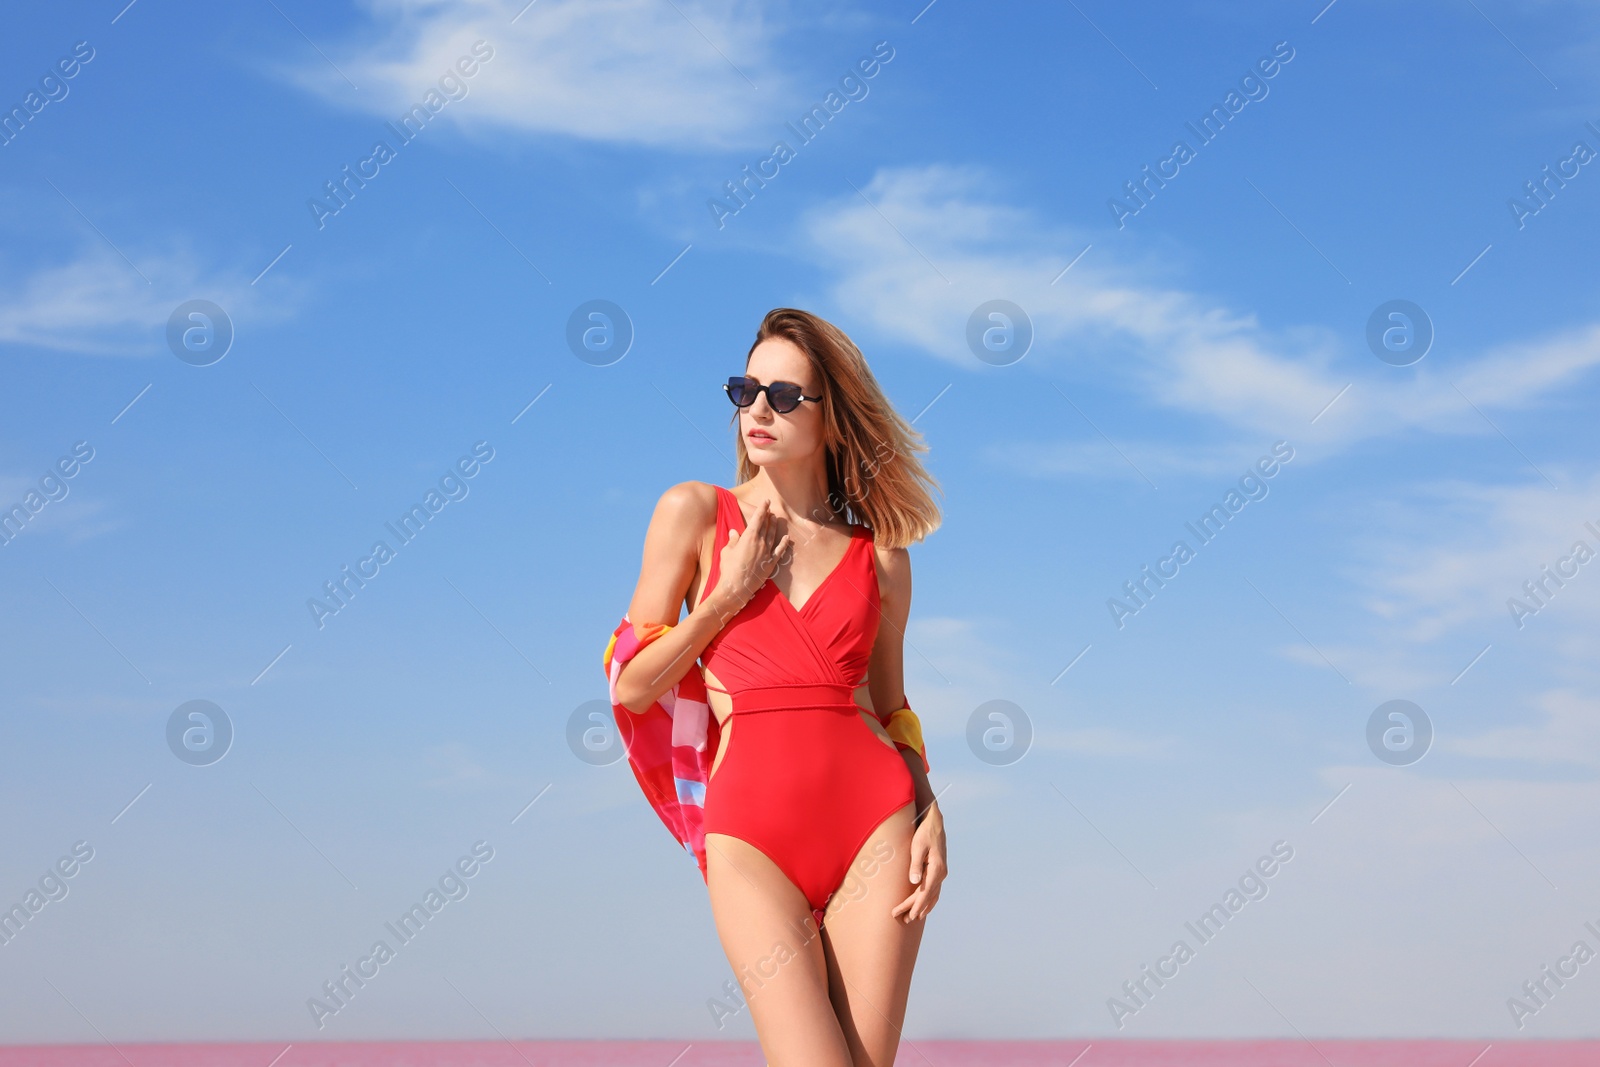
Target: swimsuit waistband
x=823, y=696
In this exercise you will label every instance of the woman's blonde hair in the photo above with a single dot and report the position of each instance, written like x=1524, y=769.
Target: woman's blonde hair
x=872, y=468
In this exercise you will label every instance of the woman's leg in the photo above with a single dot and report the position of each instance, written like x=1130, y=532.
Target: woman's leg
x=772, y=942
x=870, y=953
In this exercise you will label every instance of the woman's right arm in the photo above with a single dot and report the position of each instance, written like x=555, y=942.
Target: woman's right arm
x=671, y=556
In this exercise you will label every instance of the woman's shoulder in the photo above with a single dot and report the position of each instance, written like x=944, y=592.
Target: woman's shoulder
x=894, y=570
x=691, y=498
x=892, y=559
x=687, y=507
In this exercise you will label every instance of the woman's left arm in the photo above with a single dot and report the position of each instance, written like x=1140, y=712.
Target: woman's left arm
x=886, y=686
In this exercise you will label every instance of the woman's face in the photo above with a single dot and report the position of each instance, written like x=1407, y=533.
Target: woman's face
x=774, y=437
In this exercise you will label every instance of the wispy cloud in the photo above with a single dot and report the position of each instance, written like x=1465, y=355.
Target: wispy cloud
x=84, y=519
x=680, y=74
x=95, y=304
x=920, y=247
x=1569, y=732
x=1454, y=553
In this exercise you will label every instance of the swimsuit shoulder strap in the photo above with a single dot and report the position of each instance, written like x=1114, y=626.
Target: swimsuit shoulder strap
x=719, y=536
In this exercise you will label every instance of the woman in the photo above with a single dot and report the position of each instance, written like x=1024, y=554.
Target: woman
x=818, y=834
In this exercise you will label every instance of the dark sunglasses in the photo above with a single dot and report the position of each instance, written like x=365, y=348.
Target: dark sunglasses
x=783, y=396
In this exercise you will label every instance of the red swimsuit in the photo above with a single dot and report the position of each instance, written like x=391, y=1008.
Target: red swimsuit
x=804, y=779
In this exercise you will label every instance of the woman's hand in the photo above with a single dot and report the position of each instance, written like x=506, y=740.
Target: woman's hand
x=928, y=866
x=748, y=560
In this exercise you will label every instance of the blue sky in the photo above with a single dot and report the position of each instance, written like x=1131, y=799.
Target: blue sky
x=376, y=347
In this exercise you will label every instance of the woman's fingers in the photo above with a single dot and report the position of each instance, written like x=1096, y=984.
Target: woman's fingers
x=925, y=874
x=919, y=857
x=772, y=540
x=917, y=905
x=762, y=525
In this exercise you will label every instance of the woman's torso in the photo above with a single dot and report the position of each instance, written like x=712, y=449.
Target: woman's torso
x=770, y=642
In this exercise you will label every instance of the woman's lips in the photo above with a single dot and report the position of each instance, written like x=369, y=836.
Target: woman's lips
x=759, y=438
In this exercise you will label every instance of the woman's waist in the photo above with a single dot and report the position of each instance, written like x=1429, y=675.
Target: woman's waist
x=793, y=696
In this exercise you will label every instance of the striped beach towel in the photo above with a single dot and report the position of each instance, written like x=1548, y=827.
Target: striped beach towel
x=671, y=745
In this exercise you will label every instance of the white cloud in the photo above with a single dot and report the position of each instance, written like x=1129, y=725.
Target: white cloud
x=1431, y=574
x=1482, y=545
x=622, y=71
x=933, y=244
x=1570, y=733
x=96, y=304
x=78, y=521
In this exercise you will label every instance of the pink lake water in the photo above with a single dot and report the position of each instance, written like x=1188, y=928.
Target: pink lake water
x=930, y=1053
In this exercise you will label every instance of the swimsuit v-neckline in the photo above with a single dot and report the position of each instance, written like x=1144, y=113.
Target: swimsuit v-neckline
x=855, y=536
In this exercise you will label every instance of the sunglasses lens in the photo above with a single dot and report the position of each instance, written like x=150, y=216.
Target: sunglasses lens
x=784, y=396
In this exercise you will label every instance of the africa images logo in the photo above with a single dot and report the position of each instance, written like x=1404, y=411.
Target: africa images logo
x=408, y=527
x=452, y=85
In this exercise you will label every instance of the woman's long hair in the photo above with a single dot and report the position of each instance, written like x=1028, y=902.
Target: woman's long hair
x=873, y=473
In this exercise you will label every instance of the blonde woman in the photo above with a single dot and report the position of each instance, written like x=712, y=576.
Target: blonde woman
x=817, y=832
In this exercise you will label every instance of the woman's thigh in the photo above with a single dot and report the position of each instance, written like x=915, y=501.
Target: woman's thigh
x=869, y=952
x=772, y=943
